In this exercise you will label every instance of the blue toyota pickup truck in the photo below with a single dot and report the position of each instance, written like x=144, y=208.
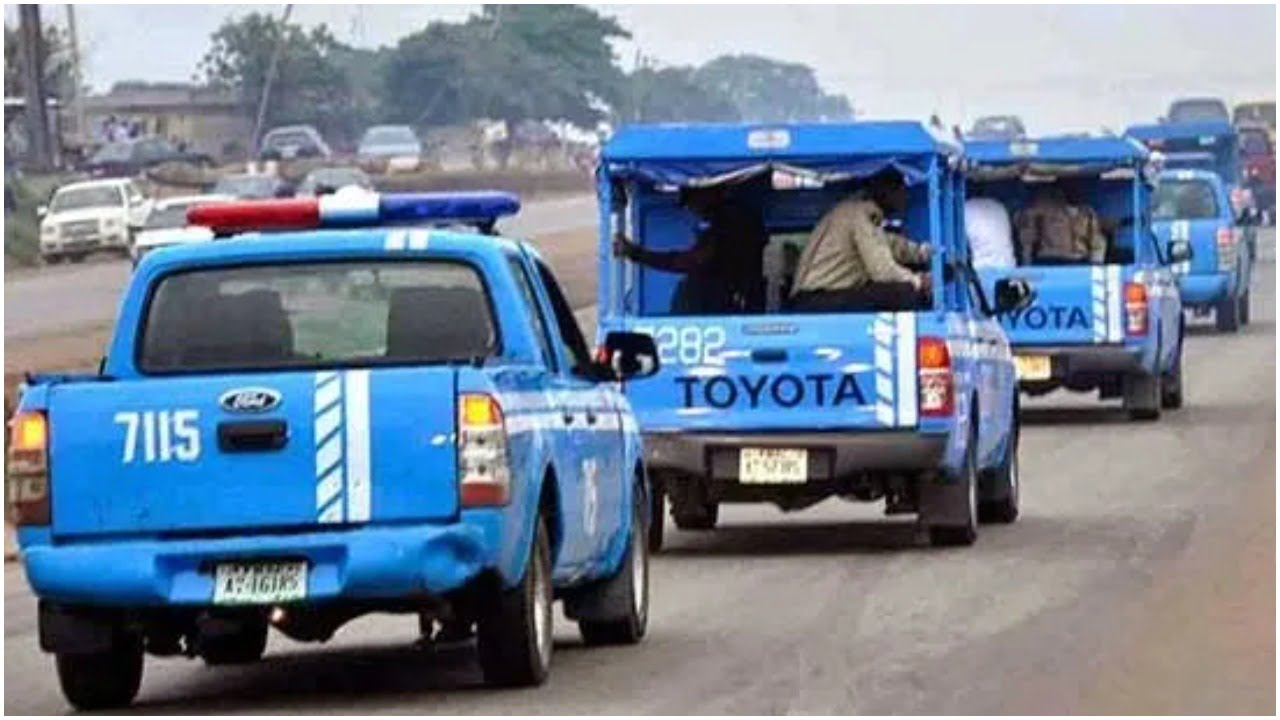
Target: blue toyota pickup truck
x=353, y=413
x=1195, y=206
x=913, y=405
x=1112, y=323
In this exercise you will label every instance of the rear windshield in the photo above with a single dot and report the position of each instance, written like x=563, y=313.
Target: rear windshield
x=317, y=315
x=1184, y=200
x=1198, y=110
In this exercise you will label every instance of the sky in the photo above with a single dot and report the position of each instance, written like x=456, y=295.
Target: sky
x=1059, y=67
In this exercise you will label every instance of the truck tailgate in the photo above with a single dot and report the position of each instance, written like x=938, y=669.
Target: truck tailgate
x=282, y=450
x=1074, y=305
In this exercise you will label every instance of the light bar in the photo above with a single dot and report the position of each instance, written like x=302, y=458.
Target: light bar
x=355, y=208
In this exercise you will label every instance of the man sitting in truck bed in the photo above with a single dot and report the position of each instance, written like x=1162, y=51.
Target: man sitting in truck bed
x=1051, y=231
x=851, y=263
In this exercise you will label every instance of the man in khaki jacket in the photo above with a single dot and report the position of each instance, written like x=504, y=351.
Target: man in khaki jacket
x=1053, y=232
x=852, y=263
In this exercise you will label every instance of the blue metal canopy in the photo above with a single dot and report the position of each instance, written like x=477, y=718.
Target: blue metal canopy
x=1096, y=152
x=1182, y=130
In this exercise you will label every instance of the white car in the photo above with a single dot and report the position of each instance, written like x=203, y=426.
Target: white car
x=167, y=224
x=86, y=217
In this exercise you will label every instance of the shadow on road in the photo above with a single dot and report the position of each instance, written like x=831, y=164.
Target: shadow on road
x=790, y=538
x=1074, y=415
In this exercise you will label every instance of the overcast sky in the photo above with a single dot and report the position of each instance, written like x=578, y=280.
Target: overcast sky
x=1060, y=67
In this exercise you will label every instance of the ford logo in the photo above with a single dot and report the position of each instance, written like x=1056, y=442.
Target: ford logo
x=249, y=400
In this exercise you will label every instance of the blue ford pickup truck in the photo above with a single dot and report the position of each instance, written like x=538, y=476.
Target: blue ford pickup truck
x=914, y=405
x=1111, y=324
x=354, y=413
x=1195, y=206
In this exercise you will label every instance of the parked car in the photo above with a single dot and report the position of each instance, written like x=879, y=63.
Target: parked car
x=127, y=158
x=293, y=141
x=322, y=181
x=85, y=217
x=1199, y=109
x=252, y=187
x=302, y=429
x=167, y=225
x=389, y=148
x=997, y=127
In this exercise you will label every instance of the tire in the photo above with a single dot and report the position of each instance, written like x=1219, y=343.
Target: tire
x=657, y=516
x=966, y=533
x=695, y=516
x=1004, y=485
x=105, y=680
x=1243, y=312
x=1171, y=386
x=514, y=632
x=1142, y=396
x=621, y=603
x=1227, y=315
x=245, y=646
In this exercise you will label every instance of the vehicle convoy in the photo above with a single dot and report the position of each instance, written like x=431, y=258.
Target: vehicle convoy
x=1108, y=320
x=916, y=406
x=167, y=225
x=1194, y=206
x=355, y=413
x=86, y=217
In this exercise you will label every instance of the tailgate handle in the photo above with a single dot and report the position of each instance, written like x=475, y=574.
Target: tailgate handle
x=252, y=435
x=769, y=355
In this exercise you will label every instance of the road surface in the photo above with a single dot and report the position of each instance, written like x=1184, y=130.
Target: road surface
x=69, y=297
x=1141, y=578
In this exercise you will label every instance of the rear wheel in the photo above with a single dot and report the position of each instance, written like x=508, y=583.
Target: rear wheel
x=1244, y=308
x=514, y=633
x=1171, y=387
x=1142, y=396
x=1227, y=315
x=103, y=680
x=695, y=515
x=1003, y=485
x=966, y=531
x=657, y=516
x=620, y=605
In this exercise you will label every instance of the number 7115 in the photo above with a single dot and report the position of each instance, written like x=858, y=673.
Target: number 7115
x=160, y=435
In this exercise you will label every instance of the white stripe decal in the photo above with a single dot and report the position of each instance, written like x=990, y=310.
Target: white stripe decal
x=358, y=462
x=418, y=239
x=395, y=240
x=327, y=432
x=906, y=369
x=1098, y=293
x=882, y=328
x=1114, y=311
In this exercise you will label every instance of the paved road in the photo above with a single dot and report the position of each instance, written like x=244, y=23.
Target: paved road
x=66, y=298
x=1141, y=578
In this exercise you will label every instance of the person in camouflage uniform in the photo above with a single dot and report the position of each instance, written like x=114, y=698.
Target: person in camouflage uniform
x=1052, y=232
x=852, y=263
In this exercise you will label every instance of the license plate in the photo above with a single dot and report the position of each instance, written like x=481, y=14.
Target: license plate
x=1033, y=367
x=773, y=466
x=259, y=583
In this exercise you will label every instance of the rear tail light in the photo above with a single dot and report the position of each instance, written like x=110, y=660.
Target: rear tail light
x=28, y=468
x=937, y=396
x=1135, y=308
x=1226, y=249
x=484, y=469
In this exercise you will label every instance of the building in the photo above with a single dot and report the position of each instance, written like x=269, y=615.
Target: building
x=209, y=120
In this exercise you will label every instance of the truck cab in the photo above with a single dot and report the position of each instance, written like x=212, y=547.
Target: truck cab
x=344, y=405
x=915, y=406
x=1111, y=323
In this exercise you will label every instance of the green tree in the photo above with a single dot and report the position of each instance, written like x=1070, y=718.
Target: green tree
x=672, y=95
x=58, y=79
x=767, y=90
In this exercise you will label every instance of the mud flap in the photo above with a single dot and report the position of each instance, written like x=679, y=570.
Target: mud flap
x=943, y=501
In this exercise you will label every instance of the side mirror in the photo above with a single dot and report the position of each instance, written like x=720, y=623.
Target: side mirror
x=42, y=210
x=1012, y=294
x=1179, y=251
x=628, y=355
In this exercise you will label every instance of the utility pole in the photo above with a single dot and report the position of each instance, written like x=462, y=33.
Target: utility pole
x=36, y=112
x=77, y=78
x=270, y=79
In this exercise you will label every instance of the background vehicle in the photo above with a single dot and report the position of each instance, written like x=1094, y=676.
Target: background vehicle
x=252, y=187
x=1256, y=112
x=167, y=224
x=389, y=148
x=1114, y=327
x=128, y=158
x=85, y=217
x=1194, y=206
x=997, y=127
x=1258, y=167
x=293, y=141
x=1193, y=110
x=301, y=429
x=788, y=408
x=322, y=181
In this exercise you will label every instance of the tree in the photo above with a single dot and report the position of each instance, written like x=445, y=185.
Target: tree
x=310, y=86
x=766, y=90
x=58, y=78
x=672, y=95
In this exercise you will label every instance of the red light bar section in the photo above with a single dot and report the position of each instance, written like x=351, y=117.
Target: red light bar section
x=250, y=215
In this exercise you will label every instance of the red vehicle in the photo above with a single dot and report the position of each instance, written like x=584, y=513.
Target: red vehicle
x=1258, y=166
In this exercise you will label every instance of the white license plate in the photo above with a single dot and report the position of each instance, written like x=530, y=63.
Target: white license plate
x=1033, y=367
x=773, y=466
x=259, y=583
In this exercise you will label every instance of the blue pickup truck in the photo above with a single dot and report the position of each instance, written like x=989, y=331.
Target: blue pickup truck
x=1112, y=323
x=357, y=412
x=914, y=405
x=1194, y=206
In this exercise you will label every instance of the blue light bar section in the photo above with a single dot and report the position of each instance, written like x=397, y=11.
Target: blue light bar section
x=468, y=207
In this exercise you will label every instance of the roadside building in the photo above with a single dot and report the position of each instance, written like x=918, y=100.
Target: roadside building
x=208, y=120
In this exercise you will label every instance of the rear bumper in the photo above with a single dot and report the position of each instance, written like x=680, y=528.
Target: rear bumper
x=1071, y=363
x=1206, y=289
x=358, y=563
x=832, y=455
